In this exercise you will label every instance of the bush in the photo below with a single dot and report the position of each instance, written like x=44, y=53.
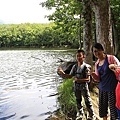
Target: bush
x=66, y=98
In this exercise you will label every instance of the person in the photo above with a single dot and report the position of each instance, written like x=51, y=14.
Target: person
x=107, y=81
x=81, y=74
x=116, y=69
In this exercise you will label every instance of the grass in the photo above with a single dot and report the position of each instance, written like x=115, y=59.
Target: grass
x=66, y=98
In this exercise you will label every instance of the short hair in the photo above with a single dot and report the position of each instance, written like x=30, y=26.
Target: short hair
x=97, y=46
x=80, y=51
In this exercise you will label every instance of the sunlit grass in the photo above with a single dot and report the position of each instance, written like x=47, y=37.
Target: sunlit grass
x=66, y=97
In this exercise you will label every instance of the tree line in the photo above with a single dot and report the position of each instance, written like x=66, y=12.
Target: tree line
x=35, y=35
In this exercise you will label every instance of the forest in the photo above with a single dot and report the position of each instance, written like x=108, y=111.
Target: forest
x=34, y=35
x=74, y=24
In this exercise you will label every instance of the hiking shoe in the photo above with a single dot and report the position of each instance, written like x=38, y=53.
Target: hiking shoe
x=79, y=116
x=92, y=118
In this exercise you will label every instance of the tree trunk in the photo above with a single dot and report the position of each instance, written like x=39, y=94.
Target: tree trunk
x=87, y=31
x=103, y=24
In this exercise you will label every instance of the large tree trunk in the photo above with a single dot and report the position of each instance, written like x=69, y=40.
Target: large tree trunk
x=103, y=24
x=87, y=31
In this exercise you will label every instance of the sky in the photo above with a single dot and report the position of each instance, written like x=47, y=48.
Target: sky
x=23, y=11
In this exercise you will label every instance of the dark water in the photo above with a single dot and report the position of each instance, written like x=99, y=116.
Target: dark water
x=28, y=83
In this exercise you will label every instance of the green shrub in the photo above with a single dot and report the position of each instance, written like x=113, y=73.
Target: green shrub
x=66, y=97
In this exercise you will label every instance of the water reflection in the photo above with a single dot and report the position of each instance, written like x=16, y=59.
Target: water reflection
x=28, y=83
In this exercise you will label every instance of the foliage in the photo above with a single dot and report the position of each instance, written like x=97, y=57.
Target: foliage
x=67, y=18
x=115, y=8
x=67, y=99
x=33, y=35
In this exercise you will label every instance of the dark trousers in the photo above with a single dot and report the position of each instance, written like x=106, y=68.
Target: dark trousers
x=104, y=99
x=86, y=95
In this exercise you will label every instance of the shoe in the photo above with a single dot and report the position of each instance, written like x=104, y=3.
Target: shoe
x=79, y=116
x=92, y=118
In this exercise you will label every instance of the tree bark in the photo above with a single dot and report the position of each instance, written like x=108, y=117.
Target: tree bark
x=87, y=31
x=103, y=24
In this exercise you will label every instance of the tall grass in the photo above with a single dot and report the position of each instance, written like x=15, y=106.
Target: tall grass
x=66, y=98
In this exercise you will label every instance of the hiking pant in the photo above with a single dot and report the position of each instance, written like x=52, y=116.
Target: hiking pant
x=84, y=91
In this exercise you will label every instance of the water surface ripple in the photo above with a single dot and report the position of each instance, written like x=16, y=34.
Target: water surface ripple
x=28, y=82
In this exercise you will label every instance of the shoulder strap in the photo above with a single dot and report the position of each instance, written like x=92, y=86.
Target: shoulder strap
x=76, y=65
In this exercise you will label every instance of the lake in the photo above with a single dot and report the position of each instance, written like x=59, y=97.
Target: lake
x=29, y=82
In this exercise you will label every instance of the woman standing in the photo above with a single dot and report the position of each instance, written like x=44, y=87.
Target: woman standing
x=107, y=82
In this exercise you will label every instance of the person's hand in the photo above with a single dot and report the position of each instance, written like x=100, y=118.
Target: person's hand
x=92, y=74
x=95, y=77
x=75, y=79
x=60, y=71
x=113, y=67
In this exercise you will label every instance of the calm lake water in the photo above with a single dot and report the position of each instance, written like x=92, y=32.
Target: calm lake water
x=29, y=82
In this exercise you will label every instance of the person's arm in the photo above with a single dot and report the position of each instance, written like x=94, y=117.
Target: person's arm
x=117, y=62
x=95, y=75
x=60, y=71
x=82, y=79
